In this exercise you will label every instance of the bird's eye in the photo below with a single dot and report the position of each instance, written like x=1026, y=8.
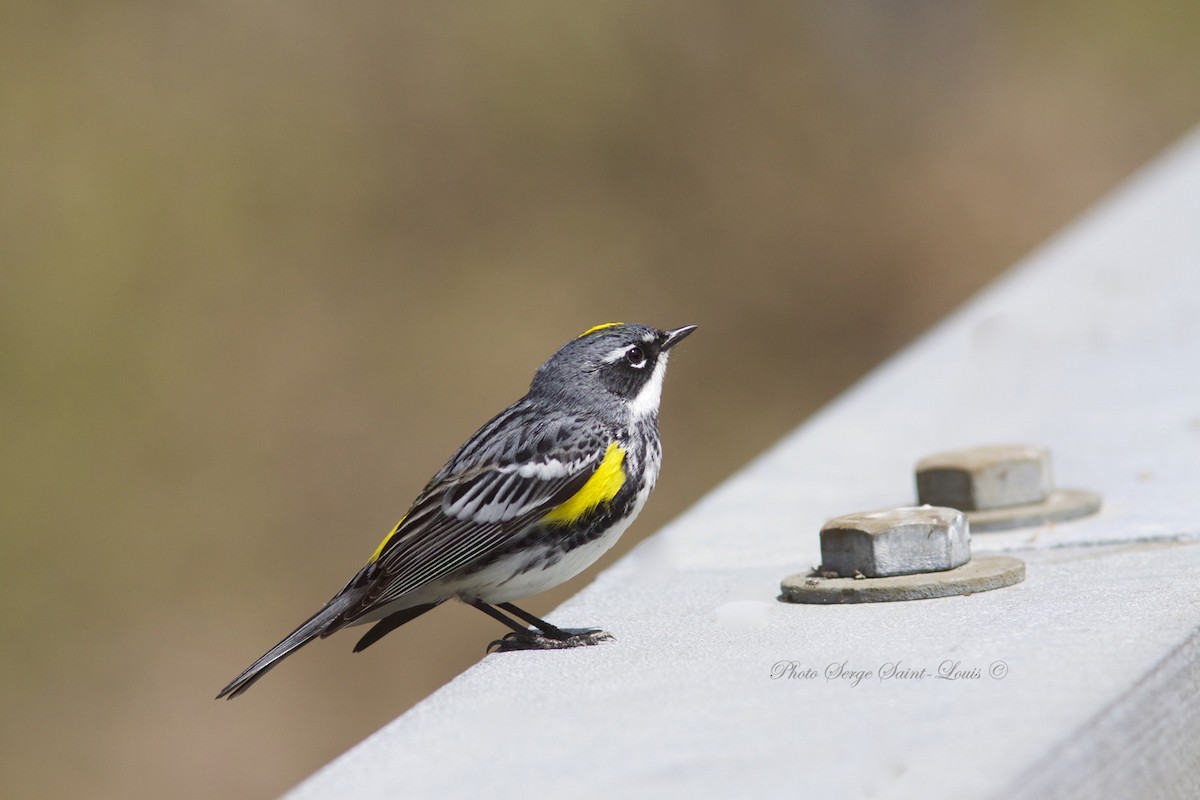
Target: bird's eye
x=635, y=357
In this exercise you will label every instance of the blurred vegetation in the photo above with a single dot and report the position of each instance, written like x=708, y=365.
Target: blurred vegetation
x=264, y=265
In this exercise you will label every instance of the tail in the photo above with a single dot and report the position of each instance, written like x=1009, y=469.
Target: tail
x=324, y=622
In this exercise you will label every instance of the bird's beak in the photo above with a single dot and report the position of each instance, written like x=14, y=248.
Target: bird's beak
x=676, y=336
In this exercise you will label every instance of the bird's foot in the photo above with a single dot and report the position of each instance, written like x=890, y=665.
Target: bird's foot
x=560, y=639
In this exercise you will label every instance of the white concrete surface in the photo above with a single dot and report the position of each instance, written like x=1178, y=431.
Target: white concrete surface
x=1083, y=681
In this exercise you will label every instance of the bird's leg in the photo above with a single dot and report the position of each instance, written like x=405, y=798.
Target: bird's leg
x=546, y=637
x=496, y=615
x=545, y=627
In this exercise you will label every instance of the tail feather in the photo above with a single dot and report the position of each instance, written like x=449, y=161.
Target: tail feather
x=323, y=622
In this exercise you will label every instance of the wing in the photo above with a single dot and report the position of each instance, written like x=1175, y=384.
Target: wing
x=513, y=472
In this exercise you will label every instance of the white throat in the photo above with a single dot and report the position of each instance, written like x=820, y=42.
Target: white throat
x=647, y=400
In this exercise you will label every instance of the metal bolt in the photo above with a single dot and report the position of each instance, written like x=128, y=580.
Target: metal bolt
x=1007, y=486
x=900, y=554
x=899, y=541
x=981, y=478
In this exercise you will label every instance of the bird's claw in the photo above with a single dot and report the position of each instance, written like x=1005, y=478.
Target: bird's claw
x=536, y=640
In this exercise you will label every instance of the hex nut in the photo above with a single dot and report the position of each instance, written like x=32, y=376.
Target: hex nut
x=899, y=541
x=982, y=478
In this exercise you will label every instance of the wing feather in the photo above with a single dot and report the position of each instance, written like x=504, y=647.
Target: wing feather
x=478, y=502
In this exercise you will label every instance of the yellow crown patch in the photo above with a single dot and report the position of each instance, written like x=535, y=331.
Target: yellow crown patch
x=601, y=327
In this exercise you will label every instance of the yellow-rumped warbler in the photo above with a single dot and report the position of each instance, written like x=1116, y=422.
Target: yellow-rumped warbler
x=529, y=501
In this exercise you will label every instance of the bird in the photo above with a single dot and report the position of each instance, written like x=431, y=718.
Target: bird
x=529, y=501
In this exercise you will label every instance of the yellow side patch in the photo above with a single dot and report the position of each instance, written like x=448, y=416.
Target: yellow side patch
x=602, y=487
x=382, y=545
x=601, y=327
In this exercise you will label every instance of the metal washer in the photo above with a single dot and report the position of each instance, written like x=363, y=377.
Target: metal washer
x=977, y=575
x=1059, y=506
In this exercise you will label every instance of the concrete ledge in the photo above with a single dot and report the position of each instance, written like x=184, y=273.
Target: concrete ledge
x=1082, y=681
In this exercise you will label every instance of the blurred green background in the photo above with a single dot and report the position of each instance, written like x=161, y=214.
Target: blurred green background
x=265, y=265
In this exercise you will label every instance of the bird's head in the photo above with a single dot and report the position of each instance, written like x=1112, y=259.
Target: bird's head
x=611, y=365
